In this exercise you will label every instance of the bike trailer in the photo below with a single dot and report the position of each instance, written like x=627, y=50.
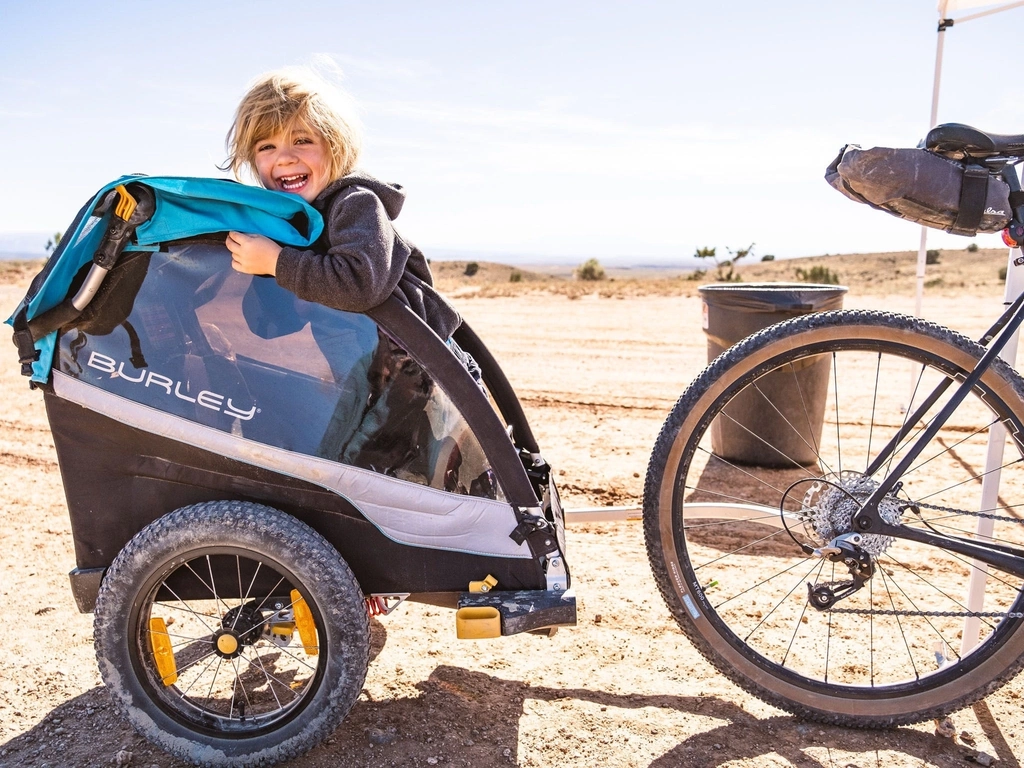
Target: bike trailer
x=248, y=475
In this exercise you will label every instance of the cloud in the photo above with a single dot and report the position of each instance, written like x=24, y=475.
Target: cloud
x=388, y=69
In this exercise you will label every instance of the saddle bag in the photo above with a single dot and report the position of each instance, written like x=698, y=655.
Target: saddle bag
x=924, y=187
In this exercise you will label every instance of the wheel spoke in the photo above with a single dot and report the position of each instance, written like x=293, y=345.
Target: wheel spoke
x=233, y=667
x=839, y=440
x=817, y=636
x=812, y=444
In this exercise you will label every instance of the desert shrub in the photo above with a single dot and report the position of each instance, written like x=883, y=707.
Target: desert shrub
x=515, y=276
x=53, y=242
x=931, y=257
x=972, y=248
x=817, y=274
x=471, y=269
x=724, y=271
x=1002, y=274
x=590, y=269
x=768, y=257
x=697, y=274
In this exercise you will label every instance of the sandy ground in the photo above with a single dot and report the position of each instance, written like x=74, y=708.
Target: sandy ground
x=597, y=375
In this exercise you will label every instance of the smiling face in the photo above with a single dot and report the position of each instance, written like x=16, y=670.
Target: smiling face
x=293, y=160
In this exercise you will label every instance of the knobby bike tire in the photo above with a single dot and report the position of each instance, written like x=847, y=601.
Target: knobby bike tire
x=746, y=455
x=231, y=634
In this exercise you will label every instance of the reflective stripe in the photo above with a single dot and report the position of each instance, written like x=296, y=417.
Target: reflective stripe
x=404, y=512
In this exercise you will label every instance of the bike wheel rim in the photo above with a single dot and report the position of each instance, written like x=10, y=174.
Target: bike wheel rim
x=207, y=695
x=728, y=624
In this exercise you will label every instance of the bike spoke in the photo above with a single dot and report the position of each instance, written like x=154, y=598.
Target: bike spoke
x=823, y=612
x=799, y=583
x=785, y=419
x=736, y=551
x=835, y=385
x=874, y=405
x=903, y=634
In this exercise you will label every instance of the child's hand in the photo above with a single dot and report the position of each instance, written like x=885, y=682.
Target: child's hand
x=253, y=254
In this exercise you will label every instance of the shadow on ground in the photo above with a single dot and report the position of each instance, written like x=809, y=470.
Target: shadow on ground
x=465, y=718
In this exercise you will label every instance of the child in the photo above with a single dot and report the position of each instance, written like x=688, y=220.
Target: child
x=291, y=130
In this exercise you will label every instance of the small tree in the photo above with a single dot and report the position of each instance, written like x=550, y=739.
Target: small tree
x=591, y=269
x=724, y=272
x=768, y=257
x=515, y=276
x=53, y=242
x=471, y=269
x=931, y=257
x=972, y=248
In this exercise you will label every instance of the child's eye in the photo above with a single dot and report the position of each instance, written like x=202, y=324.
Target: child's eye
x=303, y=140
x=264, y=147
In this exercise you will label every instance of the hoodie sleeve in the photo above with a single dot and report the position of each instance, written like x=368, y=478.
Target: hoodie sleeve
x=361, y=267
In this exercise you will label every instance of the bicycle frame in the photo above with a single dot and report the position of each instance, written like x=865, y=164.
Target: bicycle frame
x=868, y=519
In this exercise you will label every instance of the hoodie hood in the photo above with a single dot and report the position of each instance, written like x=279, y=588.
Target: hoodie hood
x=391, y=195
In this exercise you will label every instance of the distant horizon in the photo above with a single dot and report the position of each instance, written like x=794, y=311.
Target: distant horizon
x=13, y=248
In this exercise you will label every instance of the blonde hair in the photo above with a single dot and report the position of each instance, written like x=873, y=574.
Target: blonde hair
x=276, y=101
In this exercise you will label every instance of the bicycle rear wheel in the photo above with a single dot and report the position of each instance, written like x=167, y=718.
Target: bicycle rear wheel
x=724, y=535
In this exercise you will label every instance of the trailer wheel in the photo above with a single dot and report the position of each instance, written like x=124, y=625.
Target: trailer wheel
x=230, y=633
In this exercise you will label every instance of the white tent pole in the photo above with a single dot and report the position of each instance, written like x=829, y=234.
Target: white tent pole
x=922, y=251
x=989, y=12
x=993, y=463
x=997, y=434
x=944, y=24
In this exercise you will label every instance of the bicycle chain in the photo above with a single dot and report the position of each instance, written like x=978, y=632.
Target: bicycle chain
x=941, y=614
x=955, y=511
x=932, y=614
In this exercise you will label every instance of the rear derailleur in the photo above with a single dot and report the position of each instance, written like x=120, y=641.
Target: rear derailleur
x=843, y=549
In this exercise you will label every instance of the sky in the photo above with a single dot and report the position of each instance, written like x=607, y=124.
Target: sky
x=528, y=131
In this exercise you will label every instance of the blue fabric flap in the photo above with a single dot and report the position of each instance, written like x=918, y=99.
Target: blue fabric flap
x=190, y=206
x=185, y=207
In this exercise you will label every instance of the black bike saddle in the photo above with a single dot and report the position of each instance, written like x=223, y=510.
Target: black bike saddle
x=960, y=138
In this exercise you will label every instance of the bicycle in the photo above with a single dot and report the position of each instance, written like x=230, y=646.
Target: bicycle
x=825, y=572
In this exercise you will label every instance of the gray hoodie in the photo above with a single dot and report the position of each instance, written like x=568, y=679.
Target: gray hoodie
x=360, y=259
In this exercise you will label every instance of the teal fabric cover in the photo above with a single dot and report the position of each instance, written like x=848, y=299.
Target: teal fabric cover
x=185, y=207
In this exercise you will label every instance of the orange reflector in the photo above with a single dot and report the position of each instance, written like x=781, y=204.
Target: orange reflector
x=163, y=656
x=305, y=624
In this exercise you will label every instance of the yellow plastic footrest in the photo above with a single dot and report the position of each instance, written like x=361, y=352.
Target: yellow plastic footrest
x=163, y=654
x=477, y=623
x=305, y=624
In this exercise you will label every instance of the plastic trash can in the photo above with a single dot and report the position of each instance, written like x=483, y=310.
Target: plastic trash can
x=751, y=431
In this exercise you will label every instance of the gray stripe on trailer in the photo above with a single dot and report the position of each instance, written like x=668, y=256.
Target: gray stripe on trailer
x=404, y=512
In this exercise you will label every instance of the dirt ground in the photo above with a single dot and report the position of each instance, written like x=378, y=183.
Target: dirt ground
x=598, y=367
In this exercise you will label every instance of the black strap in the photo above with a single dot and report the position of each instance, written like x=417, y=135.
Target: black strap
x=27, y=352
x=973, y=194
x=137, y=359
x=537, y=532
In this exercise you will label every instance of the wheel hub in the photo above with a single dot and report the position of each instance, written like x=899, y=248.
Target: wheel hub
x=227, y=644
x=240, y=626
